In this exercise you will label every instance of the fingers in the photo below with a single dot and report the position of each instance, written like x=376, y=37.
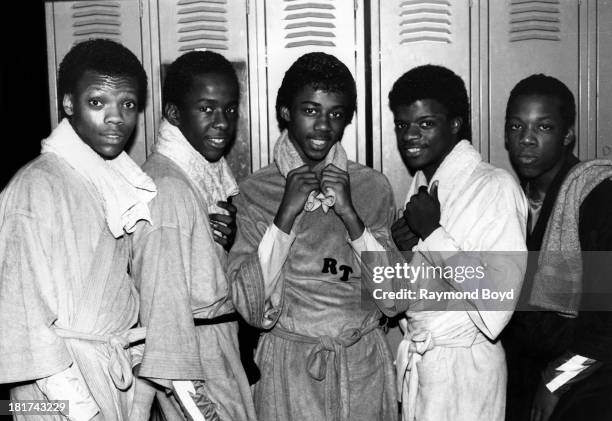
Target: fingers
x=223, y=229
x=219, y=217
x=221, y=240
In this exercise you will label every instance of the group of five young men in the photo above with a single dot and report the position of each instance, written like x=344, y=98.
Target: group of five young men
x=120, y=285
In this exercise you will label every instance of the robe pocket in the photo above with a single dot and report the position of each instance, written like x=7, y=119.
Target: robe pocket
x=432, y=371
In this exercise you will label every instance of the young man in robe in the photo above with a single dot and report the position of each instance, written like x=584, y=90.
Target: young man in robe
x=180, y=263
x=295, y=267
x=459, y=208
x=66, y=299
x=559, y=357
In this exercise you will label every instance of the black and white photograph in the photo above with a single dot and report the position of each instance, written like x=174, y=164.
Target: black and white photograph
x=295, y=210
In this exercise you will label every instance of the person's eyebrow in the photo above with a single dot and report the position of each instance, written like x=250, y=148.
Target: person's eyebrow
x=310, y=103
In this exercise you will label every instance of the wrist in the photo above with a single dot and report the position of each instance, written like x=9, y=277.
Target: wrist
x=428, y=230
x=284, y=220
x=354, y=225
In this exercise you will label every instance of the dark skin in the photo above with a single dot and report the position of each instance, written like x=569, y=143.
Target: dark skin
x=207, y=117
x=538, y=142
x=425, y=136
x=316, y=121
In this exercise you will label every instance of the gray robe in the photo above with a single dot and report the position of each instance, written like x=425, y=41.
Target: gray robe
x=179, y=271
x=60, y=266
x=325, y=358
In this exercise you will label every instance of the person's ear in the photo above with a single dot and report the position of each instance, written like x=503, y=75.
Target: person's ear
x=68, y=104
x=456, y=124
x=173, y=114
x=570, y=136
x=285, y=113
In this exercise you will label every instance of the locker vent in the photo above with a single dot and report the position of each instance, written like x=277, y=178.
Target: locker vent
x=535, y=20
x=425, y=21
x=309, y=23
x=96, y=19
x=202, y=24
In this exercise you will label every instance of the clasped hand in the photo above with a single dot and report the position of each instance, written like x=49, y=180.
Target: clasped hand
x=421, y=217
x=224, y=226
x=302, y=181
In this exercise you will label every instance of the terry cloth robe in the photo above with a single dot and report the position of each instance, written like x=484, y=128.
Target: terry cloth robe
x=458, y=371
x=322, y=356
x=62, y=268
x=185, y=296
x=536, y=339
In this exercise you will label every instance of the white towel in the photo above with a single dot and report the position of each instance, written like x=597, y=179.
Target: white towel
x=124, y=189
x=287, y=158
x=214, y=179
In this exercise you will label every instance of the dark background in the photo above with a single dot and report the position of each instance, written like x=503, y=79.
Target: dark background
x=24, y=92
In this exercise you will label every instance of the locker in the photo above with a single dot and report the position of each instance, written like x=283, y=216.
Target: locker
x=216, y=25
x=69, y=22
x=288, y=29
x=603, y=85
x=527, y=37
x=407, y=34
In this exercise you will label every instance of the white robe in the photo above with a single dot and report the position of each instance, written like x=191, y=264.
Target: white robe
x=462, y=376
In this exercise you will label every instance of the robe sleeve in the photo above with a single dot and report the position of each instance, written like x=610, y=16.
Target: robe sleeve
x=255, y=264
x=30, y=349
x=499, y=238
x=381, y=252
x=174, y=283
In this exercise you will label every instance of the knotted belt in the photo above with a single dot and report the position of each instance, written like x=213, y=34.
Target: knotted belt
x=328, y=360
x=119, y=365
x=416, y=343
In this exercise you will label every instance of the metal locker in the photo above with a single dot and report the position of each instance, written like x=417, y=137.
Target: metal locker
x=526, y=37
x=287, y=29
x=180, y=26
x=70, y=22
x=602, y=86
x=407, y=34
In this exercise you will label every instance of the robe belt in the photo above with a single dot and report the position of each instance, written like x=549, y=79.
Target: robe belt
x=119, y=365
x=410, y=351
x=328, y=360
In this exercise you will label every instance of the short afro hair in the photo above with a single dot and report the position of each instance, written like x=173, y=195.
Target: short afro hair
x=437, y=83
x=540, y=84
x=181, y=73
x=101, y=56
x=321, y=71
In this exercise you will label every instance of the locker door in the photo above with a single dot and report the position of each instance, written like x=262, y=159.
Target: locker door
x=407, y=34
x=219, y=26
x=70, y=22
x=604, y=81
x=296, y=27
x=528, y=37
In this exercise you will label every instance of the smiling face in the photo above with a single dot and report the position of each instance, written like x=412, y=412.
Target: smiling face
x=536, y=136
x=103, y=111
x=425, y=134
x=315, y=121
x=208, y=114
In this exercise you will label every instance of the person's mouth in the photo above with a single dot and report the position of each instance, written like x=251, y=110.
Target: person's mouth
x=414, y=151
x=527, y=159
x=217, y=142
x=318, y=143
x=113, y=136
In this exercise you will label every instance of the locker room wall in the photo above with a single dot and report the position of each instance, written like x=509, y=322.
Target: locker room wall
x=491, y=43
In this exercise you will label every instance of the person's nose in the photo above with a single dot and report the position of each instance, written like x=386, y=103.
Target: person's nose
x=220, y=120
x=114, y=114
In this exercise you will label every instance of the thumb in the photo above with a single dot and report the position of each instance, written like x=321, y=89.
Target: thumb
x=434, y=190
